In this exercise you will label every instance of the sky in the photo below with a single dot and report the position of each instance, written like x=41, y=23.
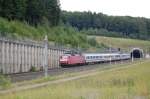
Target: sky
x=135, y=8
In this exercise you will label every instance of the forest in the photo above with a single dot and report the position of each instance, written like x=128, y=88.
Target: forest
x=101, y=24
x=32, y=11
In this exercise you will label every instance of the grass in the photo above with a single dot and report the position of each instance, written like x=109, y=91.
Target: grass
x=4, y=82
x=123, y=42
x=128, y=83
x=68, y=74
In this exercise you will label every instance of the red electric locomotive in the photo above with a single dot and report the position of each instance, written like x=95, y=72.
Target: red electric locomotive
x=72, y=58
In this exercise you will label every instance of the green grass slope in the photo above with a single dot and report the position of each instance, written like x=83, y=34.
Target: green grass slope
x=62, y=35
x=126, y=83
x=123, y=42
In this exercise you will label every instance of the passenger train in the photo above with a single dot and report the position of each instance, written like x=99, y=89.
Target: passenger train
x=69, y=58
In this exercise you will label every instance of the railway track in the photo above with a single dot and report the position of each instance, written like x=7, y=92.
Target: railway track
x=59, y=71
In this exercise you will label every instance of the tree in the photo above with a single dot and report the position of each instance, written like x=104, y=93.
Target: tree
x=33, y=11
x=13, y=9
x=19, y=9
x=6, y=8
x=53, y=9
x=37, y=10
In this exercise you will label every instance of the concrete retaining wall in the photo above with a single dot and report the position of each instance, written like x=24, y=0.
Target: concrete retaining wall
x=21, y=56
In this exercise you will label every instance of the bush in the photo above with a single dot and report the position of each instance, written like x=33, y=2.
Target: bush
x=92, y=42
x=33, y=69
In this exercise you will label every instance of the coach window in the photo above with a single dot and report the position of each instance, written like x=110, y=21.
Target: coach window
x=87, y=57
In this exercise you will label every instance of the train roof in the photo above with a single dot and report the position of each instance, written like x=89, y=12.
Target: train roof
x=103, y=54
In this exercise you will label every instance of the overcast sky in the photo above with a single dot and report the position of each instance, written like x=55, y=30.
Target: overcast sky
x=138, y=8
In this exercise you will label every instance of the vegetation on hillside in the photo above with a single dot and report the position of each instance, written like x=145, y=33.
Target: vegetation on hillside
x=101, y=24
x=61, y=35
x=132, y=82
x=126, y=44
x=33, y=19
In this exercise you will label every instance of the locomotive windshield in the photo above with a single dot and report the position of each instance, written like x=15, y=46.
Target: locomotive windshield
x=68, y=52
x=71, y=52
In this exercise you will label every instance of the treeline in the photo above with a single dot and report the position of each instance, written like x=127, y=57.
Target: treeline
x=32, y=11
x=96, y=23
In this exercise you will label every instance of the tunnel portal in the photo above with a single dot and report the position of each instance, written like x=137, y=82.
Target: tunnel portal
x=137, y=53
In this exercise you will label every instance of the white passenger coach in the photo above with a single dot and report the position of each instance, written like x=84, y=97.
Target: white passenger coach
x=105, y=57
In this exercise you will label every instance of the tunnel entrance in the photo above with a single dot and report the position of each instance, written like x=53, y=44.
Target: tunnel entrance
x=137, y=53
